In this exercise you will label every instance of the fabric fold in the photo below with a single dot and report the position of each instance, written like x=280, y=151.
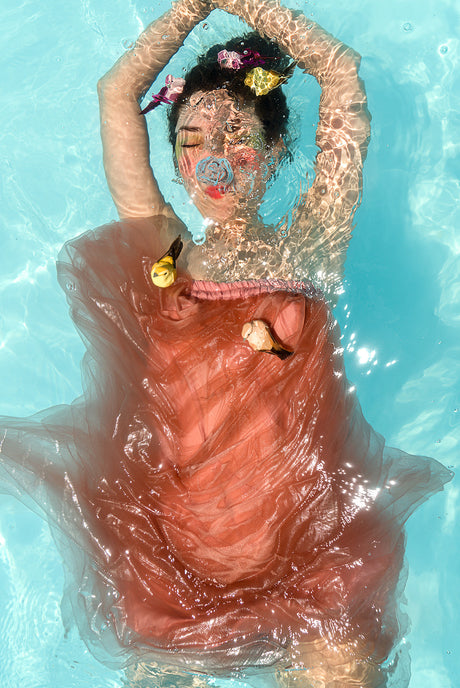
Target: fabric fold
x=213, y=504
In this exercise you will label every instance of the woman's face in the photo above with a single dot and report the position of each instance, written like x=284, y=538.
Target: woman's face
x=222, y=155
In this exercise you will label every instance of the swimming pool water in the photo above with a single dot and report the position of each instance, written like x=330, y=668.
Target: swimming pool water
x=400, y=313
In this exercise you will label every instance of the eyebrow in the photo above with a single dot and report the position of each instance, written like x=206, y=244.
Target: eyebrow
x=188, y=129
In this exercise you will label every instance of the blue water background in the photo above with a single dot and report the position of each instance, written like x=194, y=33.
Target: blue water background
x=400, y=312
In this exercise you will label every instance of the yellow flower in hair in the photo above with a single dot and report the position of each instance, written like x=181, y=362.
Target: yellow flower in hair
x=262, y=81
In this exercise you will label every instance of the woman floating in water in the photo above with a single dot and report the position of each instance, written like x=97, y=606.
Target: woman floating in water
x=219, y=499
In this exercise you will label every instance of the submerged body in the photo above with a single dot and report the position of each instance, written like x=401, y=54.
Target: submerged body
x=224, y=505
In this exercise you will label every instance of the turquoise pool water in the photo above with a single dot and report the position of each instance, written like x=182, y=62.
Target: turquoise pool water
x=400, y=313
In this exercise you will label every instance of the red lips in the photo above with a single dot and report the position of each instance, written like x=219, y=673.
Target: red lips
x=215, y=191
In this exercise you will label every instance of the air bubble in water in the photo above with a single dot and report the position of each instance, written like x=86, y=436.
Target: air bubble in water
x=127, y=43
x=205, y=26
x=443, y=49
x=408, y=27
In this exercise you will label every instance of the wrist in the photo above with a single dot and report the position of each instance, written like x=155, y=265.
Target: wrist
x=230, y=6
x=253, y=12
x=187, y=13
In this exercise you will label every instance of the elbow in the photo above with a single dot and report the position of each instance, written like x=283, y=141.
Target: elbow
x=355, y=58
x=111, y=83
x=110, y=92
x=108, y=95
x=101, y=90
x=103, y=86
x=348, y=60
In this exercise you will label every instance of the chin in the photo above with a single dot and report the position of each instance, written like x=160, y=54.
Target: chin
x=218, y=209
x=218, y=218
x=221, y=207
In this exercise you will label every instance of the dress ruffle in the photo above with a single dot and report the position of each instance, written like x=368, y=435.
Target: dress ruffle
x=215, y=506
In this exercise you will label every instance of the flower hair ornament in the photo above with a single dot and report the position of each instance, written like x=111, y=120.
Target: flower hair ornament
x=233, y=60
x=168, y=94
x=261, y=81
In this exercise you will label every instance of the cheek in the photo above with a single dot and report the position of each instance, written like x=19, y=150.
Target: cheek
x=248, y=160
x=186, y=162
x=249, y=166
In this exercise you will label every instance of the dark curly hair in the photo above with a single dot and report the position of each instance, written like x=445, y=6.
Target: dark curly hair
x=208, y=75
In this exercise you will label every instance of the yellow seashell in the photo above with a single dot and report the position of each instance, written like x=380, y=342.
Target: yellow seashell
x=164, y=273
x=262, y=81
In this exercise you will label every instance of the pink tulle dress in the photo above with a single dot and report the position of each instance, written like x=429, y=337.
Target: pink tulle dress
x=214, y=505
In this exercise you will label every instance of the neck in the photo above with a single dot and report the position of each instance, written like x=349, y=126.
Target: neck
x=235, y=228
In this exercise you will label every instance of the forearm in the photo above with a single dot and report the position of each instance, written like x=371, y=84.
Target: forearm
x=132, y=75
x=331, y=62
x=313, y=48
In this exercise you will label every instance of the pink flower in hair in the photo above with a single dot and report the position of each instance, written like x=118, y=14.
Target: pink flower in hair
x=175, y=86
x=230, y=59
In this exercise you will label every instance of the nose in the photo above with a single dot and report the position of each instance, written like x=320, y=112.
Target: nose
x=217, y=144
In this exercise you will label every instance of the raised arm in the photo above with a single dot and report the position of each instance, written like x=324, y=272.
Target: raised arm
x=323, y=222
x=124, y=134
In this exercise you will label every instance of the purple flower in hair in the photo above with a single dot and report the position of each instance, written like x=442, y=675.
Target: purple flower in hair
x=252, y=59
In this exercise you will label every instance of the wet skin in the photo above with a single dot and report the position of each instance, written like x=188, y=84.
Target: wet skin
x=214, y=132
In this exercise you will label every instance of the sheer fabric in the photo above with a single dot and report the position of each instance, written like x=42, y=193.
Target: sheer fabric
x=215, y=506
